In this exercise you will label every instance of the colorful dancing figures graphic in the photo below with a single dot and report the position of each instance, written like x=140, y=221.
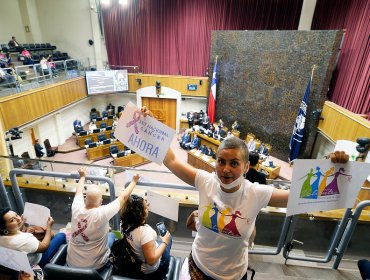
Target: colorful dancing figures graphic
x=214, y=218
x=322, y=185
x=230, y=228
x=306, y=190
x=332, y=188
x=221, y=221
x=206, y=221
x=315, y=184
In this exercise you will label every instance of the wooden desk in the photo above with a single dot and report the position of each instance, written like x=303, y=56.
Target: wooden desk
x=109, y=122
x=200, y=161
x=208, y=141
x=93, y=136
x=102, y=150
x=272, y=171
x=130, y=160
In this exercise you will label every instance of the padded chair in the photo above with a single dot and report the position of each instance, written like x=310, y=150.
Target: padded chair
x=78, y=129
x=112, y=135
x=88, y=141
x=172, y=274
x=93, y=115
x=101, y=137
x=113, y=150
x=103, y=125
x=57, y=270
x=249, y=136
x=104, y=114
x=50, y=151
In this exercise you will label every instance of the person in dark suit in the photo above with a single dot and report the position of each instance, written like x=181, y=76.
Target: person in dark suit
x=191, y=119
x=194, y=144
x=185, y=139
x=203, y=149
x=235, y=126
x=38, y=149
x=13, y=44
x=77, y=125
x=111, y=109
x=253, y=175
x=263, y=150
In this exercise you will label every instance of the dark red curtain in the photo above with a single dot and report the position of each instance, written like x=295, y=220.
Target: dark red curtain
x=174, y=36
x=350, y=84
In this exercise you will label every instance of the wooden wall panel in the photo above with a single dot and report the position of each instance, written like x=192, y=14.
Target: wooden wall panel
x=25, y=107
x=341, y=124
x=163, y=109
x=178, y=83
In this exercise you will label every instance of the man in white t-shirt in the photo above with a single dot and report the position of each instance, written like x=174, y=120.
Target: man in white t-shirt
x=89, y=246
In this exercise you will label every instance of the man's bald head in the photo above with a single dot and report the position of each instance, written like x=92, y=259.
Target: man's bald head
x=93, y=197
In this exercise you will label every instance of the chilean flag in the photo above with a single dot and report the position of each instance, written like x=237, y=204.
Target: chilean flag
x=212, y=96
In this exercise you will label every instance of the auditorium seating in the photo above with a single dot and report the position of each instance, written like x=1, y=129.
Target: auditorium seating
x=57, y=269
x=101, y=137
x=113, y=150
x=172, y=274
x=88, y=141
x=50, y=151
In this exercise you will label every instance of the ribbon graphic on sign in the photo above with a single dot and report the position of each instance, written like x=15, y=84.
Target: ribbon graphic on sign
x=135, y=119
x=81, y=230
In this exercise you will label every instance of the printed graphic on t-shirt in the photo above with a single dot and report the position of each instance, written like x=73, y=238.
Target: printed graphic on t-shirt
x=82, y=226
x=216, y=221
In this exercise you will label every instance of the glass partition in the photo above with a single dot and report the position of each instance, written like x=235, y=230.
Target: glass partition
x=26, y=77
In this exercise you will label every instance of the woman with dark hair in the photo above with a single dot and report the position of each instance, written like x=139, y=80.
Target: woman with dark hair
x=12, y=237
x=154, y=254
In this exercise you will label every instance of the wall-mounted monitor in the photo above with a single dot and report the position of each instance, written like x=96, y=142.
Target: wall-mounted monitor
x=106, y=81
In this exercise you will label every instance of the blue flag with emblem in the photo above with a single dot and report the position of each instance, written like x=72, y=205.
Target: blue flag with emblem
x=299, y=126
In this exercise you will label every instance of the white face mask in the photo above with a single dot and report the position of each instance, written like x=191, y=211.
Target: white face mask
x=233, y=184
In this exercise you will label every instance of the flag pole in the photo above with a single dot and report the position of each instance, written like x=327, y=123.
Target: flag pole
x=313, y=70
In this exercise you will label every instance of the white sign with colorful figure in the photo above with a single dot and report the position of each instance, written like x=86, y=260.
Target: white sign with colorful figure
x=320, y=185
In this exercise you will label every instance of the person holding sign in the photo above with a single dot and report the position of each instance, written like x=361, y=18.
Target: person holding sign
x=12, y=237
x=155, y=254
x=228, y=207
x=89, y=246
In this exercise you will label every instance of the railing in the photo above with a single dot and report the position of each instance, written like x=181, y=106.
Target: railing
x=110, y=176
x=26, y=77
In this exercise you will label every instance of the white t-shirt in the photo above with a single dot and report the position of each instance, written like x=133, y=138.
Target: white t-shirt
x=88, y=246
x=137, y=238
x=226, y=221
x=23, y=241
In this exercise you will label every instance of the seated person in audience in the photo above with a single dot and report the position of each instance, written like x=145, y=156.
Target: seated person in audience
x=251, y=145
x=77, y=124
x=219, y=251
x=223, y=133
x=27, y=56
x=154, y=253
x=235, y=126
x=216, y=132
x=13, y=43
x=220, y=124
x=185, y=139
x=115, y=121
x=253, y=175
x=229, y=134
x=6, y=77
x=110, y=108
x=4, y=60
x=191, y=119
x=92, y=126
x=38, y=149
x=12, y=237
x=52, y=67
x=263, y=149
x=210, y=152
x=89, y=246
x=203, y=149
x=194, y=144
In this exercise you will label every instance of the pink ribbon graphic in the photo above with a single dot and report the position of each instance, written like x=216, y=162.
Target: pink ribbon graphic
x=81, y=230
x=135, y=119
